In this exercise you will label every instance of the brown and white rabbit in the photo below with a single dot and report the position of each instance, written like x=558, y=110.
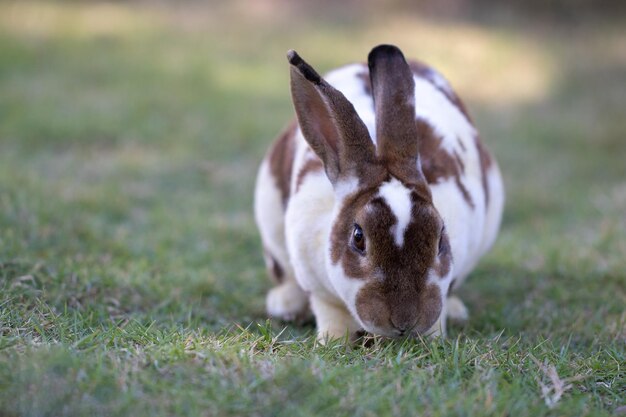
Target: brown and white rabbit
x=377, y=202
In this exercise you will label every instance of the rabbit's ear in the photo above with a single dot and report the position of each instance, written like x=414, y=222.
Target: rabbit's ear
x=329, y=123
x=393, y=90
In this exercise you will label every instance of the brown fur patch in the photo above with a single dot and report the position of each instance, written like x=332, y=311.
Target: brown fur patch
x=451, y=287
x=280, y=159
x=364, y=76
x=274, y=267
x=442, y=267
x=461, y=144
x=485, y=163
x=277, y=270
x=424, y=71
x=437, y=163
x=430, y=308
x=459, y=161
x=312, y=164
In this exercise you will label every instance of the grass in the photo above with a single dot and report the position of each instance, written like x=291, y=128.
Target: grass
x=131, y=276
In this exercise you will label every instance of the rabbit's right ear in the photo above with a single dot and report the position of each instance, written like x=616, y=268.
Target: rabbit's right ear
x=397, y=135
x=329, y=123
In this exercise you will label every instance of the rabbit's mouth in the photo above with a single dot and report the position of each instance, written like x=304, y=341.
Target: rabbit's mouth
x=416, y=332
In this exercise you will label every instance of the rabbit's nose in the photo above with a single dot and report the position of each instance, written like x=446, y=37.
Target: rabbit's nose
x=404, y=316
x=403, y=326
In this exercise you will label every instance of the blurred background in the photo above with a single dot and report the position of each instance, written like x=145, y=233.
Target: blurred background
x=130, y=135
x=131, y=273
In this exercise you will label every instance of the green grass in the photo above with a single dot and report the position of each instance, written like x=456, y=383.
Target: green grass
x=131, y=276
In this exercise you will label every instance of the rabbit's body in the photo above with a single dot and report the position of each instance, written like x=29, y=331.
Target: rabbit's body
x=296, y=207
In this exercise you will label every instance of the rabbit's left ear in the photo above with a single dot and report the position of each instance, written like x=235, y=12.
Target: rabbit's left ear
x=397, y=136
x=330, y=124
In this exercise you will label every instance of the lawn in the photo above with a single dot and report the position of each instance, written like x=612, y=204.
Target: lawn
x=131, y=274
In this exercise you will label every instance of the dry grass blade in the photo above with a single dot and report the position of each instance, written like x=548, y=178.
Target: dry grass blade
x=553, y=389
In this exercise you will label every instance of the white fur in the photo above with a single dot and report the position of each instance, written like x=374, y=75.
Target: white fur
x=267, y=206
x=494, y=208
x=287, y=300
x=305, y=242
x=398, y=198
x=308, y=220
x=347, y=81
x=463, y=225
x=345, y=187
x=439, y=81
x=345, y=287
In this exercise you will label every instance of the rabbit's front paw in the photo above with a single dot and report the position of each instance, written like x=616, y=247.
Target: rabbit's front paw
x=456, y=310
x=287, y=302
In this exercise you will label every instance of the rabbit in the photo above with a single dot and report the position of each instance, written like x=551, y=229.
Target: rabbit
x=377, y=202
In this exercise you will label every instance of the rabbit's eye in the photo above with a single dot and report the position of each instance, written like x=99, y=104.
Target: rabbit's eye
x=358, y=239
